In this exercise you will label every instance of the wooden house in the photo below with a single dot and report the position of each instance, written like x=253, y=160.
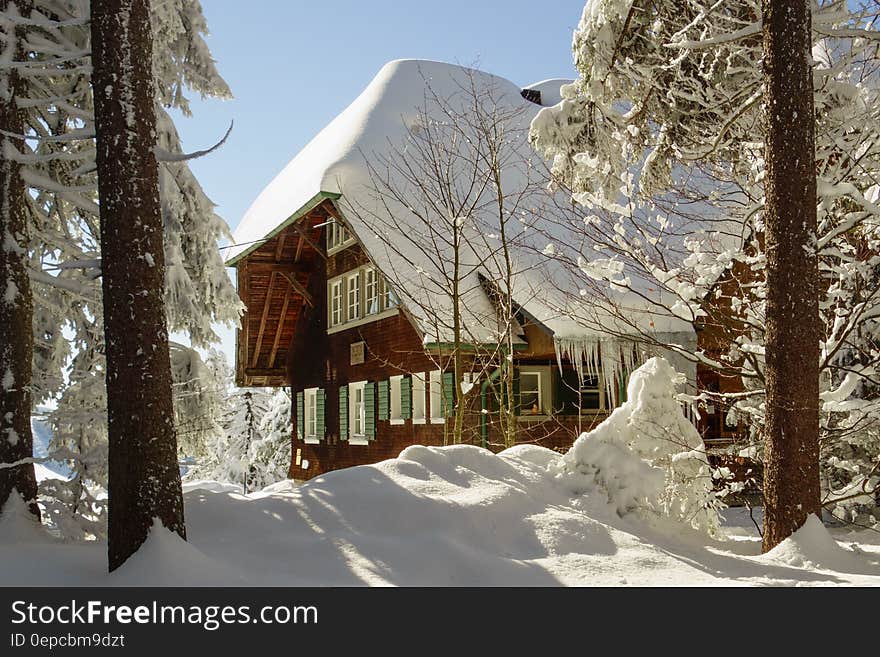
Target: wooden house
x=330, y=312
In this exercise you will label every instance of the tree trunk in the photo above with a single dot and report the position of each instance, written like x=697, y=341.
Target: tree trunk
x=791, y=466
x=144, y=480
x=16, y=302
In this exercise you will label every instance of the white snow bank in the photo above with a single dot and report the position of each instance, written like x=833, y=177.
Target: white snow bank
x=17, y=525
x=213, y=486
x=434, y=516
x=812, y=546
x=165, y=559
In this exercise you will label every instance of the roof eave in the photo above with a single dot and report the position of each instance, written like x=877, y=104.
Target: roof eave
x=307, y=207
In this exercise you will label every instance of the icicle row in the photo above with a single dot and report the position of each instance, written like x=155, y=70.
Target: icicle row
x=616, y=358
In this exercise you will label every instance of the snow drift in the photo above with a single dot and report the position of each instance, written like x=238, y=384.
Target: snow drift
x=615, y=510
x=647, y=454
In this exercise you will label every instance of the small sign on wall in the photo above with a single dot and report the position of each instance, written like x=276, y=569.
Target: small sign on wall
x=358, y=350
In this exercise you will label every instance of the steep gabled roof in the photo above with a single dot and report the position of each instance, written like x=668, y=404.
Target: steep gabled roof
x=334, y=166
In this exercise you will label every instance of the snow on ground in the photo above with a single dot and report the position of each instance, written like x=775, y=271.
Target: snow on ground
x=437, y=516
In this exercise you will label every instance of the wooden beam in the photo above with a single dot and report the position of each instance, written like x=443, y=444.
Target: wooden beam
x=263, y=266
x=299, y=288
x=303, y=233
x=262, y=371
x=280, y=248
x=263, y=319
x=299, y=248
x=278, y=328
x=242, y=335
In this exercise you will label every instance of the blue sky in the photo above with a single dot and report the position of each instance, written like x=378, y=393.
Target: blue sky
x=294, y=65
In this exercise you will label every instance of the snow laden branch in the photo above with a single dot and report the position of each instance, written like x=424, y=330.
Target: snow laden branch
x=663, y=152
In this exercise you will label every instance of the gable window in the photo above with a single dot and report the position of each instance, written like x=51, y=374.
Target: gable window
x=356, y=410
x=337, y=235
x=354, y=297
x=389, y=299
x=358, y=296
x=396, y=406
x=336, y=303
x=371, y=292
x=436, y=391
x=418, y=398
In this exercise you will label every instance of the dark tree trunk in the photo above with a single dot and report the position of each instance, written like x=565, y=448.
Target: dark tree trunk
x=16, y=303
x=144, y=480
x=791, y=475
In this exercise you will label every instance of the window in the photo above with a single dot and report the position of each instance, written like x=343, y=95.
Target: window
x=389, y=299
x=530, y=398
x=356, y=410
x=536, y=390
x=336, y=303
x=436, y=388
x=371, y=292
x=354, y=297
x=337, y=235
x=418, y=398
x=396, y=406
x=592, y=392
x=311, y=414
x=358, y=296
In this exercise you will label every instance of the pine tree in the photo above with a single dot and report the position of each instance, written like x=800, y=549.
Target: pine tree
x=16, y=305
x=144, y=480
x=791, y=458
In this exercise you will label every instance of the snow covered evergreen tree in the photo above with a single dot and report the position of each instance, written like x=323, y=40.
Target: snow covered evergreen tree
x=16, y=305
x=60, y=194
x=228, y=458
x=254, y=447
x=143, y=479
x=661, y=141
x=270, y=455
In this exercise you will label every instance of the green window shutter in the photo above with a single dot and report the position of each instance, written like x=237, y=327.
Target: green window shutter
x=517, y=400
x=448, y=393
x=406, y=397
x=300, y=415
x=621, y=388
x=343, y=412
x=320, y=407
x=384, y=388
x=370, y=410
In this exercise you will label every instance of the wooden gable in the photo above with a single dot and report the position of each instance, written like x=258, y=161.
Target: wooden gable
x=273, y=282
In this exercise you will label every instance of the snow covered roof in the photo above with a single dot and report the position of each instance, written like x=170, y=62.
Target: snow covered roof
x=334, y=165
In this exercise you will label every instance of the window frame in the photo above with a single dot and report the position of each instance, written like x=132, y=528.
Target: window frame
x=355, y=438
x=354, y=276
x=310, y=421
x=538, y=389
x=421, y=378
x=371, y=280
x=358, y=295
x=337, y=313
x=436, y=396
x=338, y=236
x=546, y=396
x=395, y=399
x=600, y=388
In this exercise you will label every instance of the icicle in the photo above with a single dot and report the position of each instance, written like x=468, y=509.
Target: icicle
x=613, y=357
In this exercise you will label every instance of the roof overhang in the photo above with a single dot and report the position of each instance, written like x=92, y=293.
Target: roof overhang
x=307, y=207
